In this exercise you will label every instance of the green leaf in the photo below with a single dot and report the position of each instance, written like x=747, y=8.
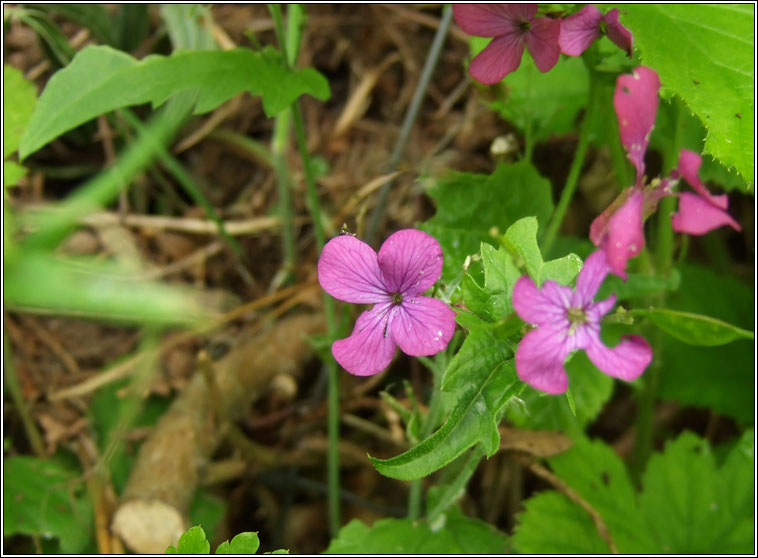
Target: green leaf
x=590, y=388
x=694, y=329
x=701, y=53
x=482, y=378
x=521, y=241
x=19, y=98
x=687, y=506
x=469, y=205
x=207, y=509
x=541, y=103
x=458, y=535
x=40, y=282
x=12, y=173
x=46, y=497
x=101, y=79
x=244, y=543
x=722, y=378
x=552, y=524
x=692, y=507
x=193, y=541
x=637, y=284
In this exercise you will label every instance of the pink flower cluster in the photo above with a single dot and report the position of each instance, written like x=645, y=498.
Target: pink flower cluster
x=515, y=26
x=564, y=319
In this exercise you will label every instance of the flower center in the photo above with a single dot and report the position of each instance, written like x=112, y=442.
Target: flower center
x=397, y=298
x=576, y=316
x=524, y=26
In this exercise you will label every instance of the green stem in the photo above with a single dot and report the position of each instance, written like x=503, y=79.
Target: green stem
x=14, y=388
x=314, y=206
x=410, y=117
x=572, y=179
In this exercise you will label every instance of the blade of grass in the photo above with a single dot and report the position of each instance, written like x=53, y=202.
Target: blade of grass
x=54, y=224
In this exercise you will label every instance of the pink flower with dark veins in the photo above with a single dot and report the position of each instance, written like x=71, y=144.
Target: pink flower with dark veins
x=408, y=263
x=701, y=213
x=568, y=320
x=513, y=26
x=580, y=30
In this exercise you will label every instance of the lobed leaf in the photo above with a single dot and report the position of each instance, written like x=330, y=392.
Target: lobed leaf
x=101, y=79
x=470, y=205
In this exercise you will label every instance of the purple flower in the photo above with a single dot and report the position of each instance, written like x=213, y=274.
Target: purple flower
x=578, y=31
x=512, y=26
x=568, y=320
x=701, y=213
x=409, y=262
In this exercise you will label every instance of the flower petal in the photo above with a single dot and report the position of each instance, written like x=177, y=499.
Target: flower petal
x=627, y=360
x=485, y=20
x=348, y=270
x=624, y=236
x=597, y=310
x=541, y=307
x=498, y=59
x=579, y=30
x=620, y=35
x=540, y=357
x=542, y=42
x=371, y=346
x=636, y=103
x=410, y=261
x=688, y=168
x=590, y=278
x=696, y=215
x=423, y=326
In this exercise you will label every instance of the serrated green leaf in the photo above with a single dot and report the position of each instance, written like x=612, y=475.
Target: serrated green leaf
x=458, y=535
x=687, y=507
x=552, y=524
x=40, y=282
x=244, y=543
x=482, y=378
x=46, y=497
x=694, y=329
x=705, y=53
x=469, y=205
x=19, y=98
x=101, y=79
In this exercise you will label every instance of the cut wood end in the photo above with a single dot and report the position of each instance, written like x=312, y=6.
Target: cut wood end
x=148, y=526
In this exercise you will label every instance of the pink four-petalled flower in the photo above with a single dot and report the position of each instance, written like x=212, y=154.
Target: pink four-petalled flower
x=513, y=26
x=568, y=320
x=408, y=263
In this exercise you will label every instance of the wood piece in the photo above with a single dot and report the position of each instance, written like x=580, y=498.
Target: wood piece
x=155, y=503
